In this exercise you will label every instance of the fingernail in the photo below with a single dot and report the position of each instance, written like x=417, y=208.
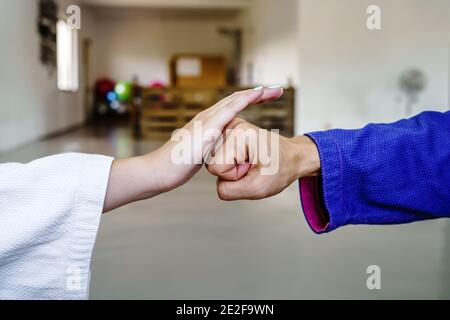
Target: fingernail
x=258, y=88
x=275, y=87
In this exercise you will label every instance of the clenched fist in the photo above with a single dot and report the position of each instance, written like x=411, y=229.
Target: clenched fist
x=252, y=163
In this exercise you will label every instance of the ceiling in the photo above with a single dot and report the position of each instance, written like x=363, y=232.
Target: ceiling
x=171, y=4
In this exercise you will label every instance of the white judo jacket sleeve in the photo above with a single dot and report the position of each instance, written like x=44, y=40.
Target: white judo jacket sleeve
x=50, y=212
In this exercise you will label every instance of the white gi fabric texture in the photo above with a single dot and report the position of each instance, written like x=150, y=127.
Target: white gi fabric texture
x=50, y=212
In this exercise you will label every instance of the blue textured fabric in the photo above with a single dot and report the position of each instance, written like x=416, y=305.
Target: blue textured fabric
x=386, y=173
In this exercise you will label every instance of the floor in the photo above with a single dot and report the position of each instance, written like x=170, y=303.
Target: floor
x=190, y=245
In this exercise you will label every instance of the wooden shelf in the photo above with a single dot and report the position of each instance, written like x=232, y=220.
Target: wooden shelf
x=161, y=111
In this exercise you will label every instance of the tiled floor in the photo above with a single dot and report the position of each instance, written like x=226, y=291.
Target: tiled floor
x=190, y=245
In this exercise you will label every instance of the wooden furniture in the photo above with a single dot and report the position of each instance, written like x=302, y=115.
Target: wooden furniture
x=198, y=71
x=161, y=111
x=275, y=115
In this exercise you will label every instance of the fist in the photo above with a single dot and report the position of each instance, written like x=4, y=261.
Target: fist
x=252, y=163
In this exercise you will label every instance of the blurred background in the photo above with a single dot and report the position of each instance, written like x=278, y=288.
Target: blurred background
x=136, y=70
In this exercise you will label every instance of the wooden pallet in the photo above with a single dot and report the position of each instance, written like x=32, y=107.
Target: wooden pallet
x=165, y=110
x=162, y=111
x=276, y=115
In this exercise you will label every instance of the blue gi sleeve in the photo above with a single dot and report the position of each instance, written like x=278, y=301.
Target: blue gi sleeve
x=380, y=174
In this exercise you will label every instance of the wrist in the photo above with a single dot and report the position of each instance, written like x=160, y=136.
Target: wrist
x=167, y=173
x=155, y=172
x=306, y=157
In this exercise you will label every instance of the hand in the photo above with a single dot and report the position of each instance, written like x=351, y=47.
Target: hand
x=239, y=163
x=144, y=177
x=212, y=122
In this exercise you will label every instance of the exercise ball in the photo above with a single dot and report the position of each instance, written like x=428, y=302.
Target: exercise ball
x=124, y=90
x=103, y=86
x=111, y=96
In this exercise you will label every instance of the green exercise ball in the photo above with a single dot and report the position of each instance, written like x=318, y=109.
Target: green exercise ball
x=124, y=90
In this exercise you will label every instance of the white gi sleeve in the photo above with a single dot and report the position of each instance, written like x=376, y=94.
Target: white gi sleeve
x=50, y=212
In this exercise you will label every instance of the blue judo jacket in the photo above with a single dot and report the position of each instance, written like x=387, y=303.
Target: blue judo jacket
x=380, y=174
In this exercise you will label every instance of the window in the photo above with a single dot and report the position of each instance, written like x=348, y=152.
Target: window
x=67, y=57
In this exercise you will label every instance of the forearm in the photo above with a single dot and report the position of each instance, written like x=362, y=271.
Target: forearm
x=138, y=178
x=145, y=177
x=133, y=179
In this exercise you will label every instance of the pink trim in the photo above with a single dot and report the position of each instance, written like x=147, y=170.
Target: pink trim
x=309, y=195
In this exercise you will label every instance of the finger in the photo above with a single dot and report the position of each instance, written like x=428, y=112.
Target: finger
x=226, y=113
x=235, y=190
x=229, y=107
x=246, y=98
x=234, y=123
x=231, y=149
x=271, y=94
x=242, y=170
x=234, y=150
x=220, y=170
x=223, y=161
x=268, y=94
x=215, y=152
x=229, y=98
x=229, y=173
x=241, y=100
x=225, y=101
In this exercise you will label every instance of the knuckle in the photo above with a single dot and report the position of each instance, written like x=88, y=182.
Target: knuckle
x=222, y=192
x=236, y=123
x=212, y=168
x=239, y=123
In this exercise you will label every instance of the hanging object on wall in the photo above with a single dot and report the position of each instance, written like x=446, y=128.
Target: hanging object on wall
x=412, y=83
x=48, y=17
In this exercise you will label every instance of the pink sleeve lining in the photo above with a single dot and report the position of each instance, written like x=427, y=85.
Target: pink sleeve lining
x=317, y=219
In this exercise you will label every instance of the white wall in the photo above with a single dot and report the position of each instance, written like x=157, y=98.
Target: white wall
x=271, y=42
x=349, y=75
x=130, y=42
x=346, y=75
x=31, y=104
